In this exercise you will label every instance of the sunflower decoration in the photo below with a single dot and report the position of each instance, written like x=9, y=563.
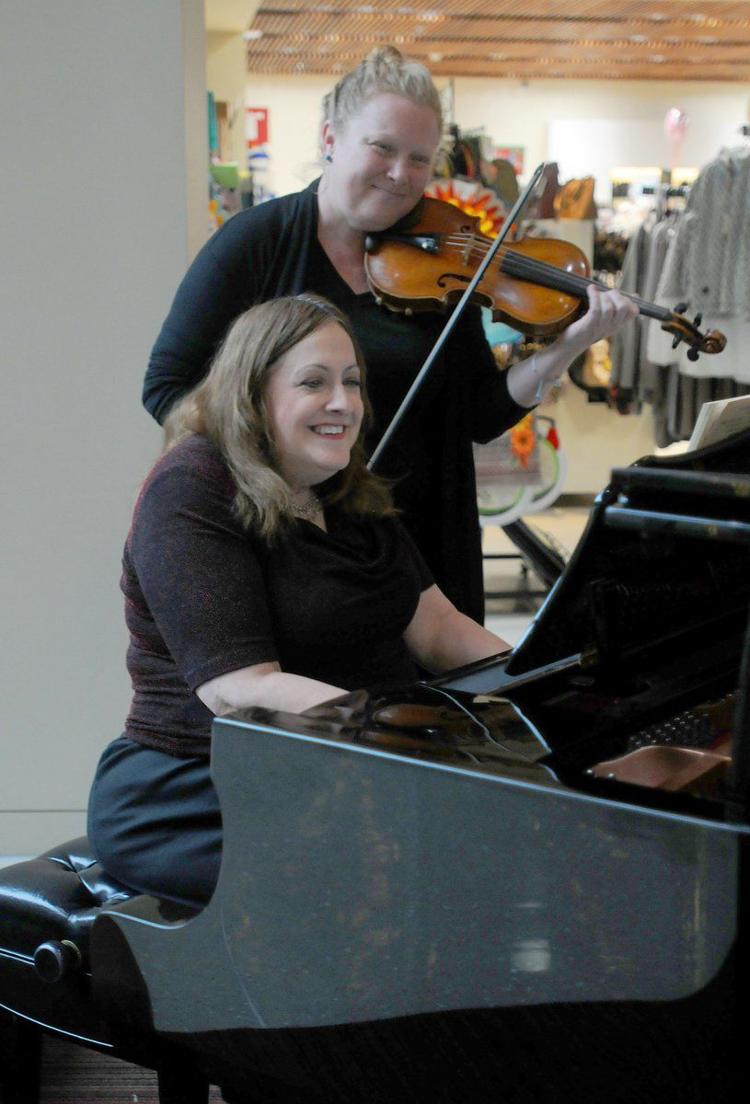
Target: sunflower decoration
x=523, y=440
x=474, y=200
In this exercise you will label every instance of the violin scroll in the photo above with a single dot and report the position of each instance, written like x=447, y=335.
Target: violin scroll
x=683, y=330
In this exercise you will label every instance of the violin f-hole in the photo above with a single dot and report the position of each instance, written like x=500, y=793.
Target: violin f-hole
x=442, y=280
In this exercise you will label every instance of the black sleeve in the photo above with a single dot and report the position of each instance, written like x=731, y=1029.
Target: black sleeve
x=491, y=410
x=200, y=577
x=223, y=281
x=205, y=304
x=410, y=550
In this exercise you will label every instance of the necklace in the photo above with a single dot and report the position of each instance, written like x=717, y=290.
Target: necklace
x=307, y=509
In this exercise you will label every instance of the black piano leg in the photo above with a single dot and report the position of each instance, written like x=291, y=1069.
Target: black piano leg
x=20, y=1060
x=181, y=1084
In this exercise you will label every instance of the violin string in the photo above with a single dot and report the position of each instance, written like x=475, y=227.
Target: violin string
x=516, y=264
x=524, y=265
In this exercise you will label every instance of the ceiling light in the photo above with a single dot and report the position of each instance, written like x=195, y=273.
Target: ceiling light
x=252, y=34
x=435, y=56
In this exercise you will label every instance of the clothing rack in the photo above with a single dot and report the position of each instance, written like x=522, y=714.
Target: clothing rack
x=667, y=191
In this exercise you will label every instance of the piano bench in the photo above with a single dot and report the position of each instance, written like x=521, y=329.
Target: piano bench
x=48, y=906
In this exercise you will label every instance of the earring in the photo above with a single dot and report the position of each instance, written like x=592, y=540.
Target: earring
x=329, y=158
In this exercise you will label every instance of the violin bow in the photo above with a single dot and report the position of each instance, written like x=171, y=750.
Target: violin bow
x=424, y=371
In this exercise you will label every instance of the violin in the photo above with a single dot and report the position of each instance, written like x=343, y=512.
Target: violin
x=536, y=285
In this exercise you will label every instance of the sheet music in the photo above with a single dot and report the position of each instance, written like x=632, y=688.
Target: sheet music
x=720, y=419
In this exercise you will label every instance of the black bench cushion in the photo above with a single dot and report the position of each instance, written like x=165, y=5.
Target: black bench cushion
x=55, y=896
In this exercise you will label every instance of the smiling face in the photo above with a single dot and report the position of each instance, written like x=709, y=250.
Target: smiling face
x=314, y=407
x=381, y=162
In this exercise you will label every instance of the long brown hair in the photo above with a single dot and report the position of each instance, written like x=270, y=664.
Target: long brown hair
x=228, y=407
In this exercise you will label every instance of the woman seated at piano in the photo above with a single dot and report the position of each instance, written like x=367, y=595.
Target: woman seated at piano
x=265, y=566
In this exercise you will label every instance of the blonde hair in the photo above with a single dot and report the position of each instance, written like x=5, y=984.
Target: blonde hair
x=384, y=69
x=228, y=407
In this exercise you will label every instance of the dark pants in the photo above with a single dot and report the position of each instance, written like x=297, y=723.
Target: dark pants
x=154, y=822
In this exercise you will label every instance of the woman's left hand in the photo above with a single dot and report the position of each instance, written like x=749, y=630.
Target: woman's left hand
x=608, y=312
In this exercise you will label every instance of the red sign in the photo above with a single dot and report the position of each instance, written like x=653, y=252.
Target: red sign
x=256, y=126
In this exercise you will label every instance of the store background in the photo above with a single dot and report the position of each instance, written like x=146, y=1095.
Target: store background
x=103, y=204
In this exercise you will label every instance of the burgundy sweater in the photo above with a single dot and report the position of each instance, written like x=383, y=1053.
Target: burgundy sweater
x=203, y=597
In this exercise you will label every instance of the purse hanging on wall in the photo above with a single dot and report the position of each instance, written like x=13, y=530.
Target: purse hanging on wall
x=575, y=200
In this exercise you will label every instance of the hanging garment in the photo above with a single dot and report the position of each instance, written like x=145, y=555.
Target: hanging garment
x=708, y=267
x=659, y=240
x=544, y=205
x=505, y=182
x=625, y=345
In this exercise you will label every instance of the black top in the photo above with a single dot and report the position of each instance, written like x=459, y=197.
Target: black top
x=272, y=250
x=203, y=596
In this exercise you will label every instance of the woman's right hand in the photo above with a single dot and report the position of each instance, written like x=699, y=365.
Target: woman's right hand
x=265, y=686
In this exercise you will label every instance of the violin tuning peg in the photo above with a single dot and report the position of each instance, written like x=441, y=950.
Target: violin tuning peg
x=681, y=308
x=676, y=342
x=698, y=319
x=692, y=353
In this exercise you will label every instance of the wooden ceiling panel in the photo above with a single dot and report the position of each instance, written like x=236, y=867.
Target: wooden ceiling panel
x=611, y=39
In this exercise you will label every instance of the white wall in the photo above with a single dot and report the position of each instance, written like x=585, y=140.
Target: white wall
x=227, y=79
x=513, y=113
x=102, y=206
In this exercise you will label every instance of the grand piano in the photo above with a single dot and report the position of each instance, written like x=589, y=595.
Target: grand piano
x=525, y=880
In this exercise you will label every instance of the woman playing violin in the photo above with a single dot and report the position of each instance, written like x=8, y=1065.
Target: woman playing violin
x=380, y=136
